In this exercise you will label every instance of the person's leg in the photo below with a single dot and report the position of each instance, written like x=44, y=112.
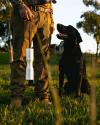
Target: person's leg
x=17, y=66
x=20, y=34
x=41, y=50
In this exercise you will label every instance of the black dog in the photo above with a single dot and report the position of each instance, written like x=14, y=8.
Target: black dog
x=72, y=63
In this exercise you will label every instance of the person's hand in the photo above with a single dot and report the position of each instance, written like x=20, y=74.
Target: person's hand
x=25, y=12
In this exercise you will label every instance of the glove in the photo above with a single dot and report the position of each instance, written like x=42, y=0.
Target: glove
x=25, y=12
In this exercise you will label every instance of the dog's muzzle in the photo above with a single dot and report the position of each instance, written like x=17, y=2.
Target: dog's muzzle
x=61, y=36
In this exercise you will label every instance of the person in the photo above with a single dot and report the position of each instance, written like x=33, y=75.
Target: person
x=31, y=20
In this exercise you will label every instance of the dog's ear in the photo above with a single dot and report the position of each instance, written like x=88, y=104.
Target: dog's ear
x=76, y=34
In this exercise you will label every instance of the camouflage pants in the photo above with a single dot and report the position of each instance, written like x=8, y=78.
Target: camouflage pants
x=22, y=31
x=41, y=55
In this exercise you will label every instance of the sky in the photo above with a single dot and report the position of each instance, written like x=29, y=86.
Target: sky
x=68, y=12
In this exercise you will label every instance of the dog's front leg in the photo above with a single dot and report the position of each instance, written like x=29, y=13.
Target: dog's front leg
x=61, y=82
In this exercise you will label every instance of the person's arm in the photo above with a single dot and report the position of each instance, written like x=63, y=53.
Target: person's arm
x=52, y=20
x=52, y=25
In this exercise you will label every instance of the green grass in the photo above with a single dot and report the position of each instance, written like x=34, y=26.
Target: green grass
x=4, y=58
x=75, y=111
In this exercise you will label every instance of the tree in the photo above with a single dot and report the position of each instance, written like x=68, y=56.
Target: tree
x=91, y=21
x=5, y=10
x=5, y=15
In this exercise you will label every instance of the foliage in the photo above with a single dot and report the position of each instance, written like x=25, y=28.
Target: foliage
x=5, y=10
x=94, y=3
x=3, y=29
x=91, y=20
x=5, y=16
x=4, y=58
x=91, y=23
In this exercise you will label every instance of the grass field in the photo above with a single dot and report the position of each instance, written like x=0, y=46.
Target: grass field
x=74, y=111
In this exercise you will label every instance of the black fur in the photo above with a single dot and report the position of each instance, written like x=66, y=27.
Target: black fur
x=72, y=63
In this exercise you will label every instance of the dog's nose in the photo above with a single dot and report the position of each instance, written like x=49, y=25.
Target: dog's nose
x=59, y=27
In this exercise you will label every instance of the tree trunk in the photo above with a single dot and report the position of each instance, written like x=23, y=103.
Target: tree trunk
x=97, y=51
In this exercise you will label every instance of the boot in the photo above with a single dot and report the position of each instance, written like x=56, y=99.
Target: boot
x=16, y=103
x=46, y=100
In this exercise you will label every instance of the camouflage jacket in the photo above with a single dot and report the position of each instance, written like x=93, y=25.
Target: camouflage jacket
x=31, y=2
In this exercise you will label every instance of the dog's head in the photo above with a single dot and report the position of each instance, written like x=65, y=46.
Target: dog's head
x=68, y=32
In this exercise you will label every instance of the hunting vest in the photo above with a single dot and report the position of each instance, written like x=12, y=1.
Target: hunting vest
x=32, y=2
